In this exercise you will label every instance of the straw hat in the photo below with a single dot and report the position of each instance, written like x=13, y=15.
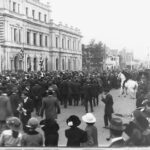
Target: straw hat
x=89, y=118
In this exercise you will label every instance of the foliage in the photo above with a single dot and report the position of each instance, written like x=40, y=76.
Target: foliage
x=94, y=54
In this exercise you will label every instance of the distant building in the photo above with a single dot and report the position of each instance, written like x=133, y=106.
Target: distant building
x=112, y=60
x=29, y=40
x=126, y=59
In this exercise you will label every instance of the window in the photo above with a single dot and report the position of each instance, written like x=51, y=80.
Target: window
x=45, y=18
x=74, y=45
x=34, y=38
x=27, y=11
x=63, y=64
x=68, y=44
x=46, y=41
x=39, y=16
x=14, y=6
x=63, y=44
x=15, y=35
x=28, y=37
x=57, y=64
x=18, y=8
x=19, y=36
x=33, y=13
x=56, y=42
x=41, y=40
x=12, y=37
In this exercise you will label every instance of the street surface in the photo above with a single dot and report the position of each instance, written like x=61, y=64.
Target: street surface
x=121, y=105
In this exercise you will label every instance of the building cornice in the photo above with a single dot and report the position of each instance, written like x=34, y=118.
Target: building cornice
x=39, y=50
x=24, y=20
x=66, y=31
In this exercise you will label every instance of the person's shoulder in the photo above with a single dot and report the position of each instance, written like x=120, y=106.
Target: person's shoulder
x=7, y=132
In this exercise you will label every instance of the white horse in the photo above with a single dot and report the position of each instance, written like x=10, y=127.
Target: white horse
x=130, y=86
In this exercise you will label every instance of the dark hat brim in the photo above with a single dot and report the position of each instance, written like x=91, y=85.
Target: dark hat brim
x=118, y=128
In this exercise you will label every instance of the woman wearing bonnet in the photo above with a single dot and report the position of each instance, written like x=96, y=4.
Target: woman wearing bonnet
x=11, y=137
x=75, y=136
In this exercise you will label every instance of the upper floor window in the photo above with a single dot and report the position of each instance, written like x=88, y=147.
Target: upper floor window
x=63, y=43
x=33, y=14
x=34, y=38
x=46, y=41
x=45, y=18
x=19, y=35
x=68, y=44
x=56, y=42
x=28, y=37
x=74, y=45
x=27, y=11
x=39, y=16
x=14, y=6
x=15, y=34
x=41, y=40
x=18, y=8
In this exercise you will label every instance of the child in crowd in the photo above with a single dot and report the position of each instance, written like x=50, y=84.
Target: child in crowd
x=91, y=129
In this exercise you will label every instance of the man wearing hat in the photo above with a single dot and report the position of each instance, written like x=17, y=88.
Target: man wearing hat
x=26, y=108
x=108, y=101
x=50, y=105
x=116, y=129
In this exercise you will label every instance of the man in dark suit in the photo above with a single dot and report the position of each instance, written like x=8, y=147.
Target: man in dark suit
x=15, y=101
x=108, y=101
x=116, y=130
x=37, y=97
x=25, y=108
x=50, y=105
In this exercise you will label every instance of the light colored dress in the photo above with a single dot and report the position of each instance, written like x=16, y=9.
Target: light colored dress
x=6, y=139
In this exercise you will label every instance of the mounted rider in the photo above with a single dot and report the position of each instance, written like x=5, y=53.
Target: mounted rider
x=127, y=76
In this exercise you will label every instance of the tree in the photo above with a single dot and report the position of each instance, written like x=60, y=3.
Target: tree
x=94, y=54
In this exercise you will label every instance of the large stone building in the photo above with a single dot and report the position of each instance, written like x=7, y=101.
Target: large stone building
x=29, y=38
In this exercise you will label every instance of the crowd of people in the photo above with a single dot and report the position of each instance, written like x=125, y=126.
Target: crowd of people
x=45, y=92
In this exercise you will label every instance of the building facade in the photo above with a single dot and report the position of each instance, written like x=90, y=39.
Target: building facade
x=112, y=60
x=30, y=41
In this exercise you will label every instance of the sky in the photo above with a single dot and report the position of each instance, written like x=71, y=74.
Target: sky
x=117, y=23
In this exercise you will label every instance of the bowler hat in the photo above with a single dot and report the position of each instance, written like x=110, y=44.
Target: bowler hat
x=116, y=124
x=73, y=121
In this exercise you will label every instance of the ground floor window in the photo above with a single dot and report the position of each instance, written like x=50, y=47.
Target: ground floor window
x=35, y=64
